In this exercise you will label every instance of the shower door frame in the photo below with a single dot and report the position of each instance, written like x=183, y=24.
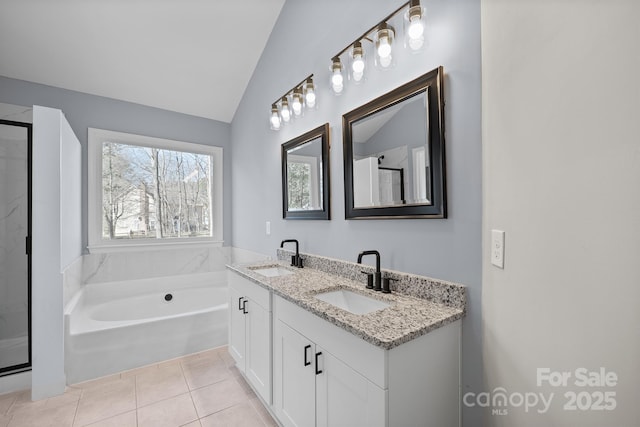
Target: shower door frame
x=14, y=369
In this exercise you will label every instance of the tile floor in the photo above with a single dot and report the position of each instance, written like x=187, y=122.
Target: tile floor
x=200, y=390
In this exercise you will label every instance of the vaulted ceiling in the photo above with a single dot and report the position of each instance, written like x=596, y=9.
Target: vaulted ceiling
x=190, y=56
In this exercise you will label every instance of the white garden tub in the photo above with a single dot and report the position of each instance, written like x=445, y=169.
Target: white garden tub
x=115, y=326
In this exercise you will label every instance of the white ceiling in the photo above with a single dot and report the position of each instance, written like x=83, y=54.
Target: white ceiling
x=190, y=56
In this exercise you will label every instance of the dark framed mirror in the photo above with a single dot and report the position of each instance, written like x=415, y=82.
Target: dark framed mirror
x=305, y=176
x=394, y=159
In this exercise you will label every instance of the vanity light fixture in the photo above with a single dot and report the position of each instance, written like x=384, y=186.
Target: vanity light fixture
x=292, y=104
x=380, y=40
x=381, y=37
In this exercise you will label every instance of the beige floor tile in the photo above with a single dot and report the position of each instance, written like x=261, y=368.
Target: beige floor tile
x=70, y=396
x=242, y=415
x=168, y=363
x=174, y=412
x=243, y=383
x=193, y=424
x=210, y=354
x=167, y=382
x=6, y=400
x=266, y=417
x=128, y=419
x=204, y=371
x=100, y=403
x=23, y=403
x=139, y=371
x=98, y=382
x=61, y=416
x=4, y=420
x=218, y=396
x=226, y=357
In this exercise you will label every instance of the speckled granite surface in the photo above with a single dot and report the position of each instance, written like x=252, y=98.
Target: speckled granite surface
x=440, y=291
x=407, y=318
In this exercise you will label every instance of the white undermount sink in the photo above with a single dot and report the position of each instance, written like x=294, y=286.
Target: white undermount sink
x=352, y=302
x=272, y=271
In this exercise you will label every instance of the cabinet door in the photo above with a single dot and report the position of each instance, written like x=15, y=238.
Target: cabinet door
x=237, y=334
x=294, y=374
x=258, y=356
x=346, y=398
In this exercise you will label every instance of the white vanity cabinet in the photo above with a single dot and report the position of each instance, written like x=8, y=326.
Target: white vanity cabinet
x=325, y=376
x=250, y=332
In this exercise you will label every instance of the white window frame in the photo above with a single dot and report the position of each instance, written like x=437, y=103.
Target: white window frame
x=314, y=185
x=96, y=137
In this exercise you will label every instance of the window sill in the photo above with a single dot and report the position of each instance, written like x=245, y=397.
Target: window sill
x=152, y=246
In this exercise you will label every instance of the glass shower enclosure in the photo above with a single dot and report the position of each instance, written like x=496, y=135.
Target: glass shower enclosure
x=15, y=234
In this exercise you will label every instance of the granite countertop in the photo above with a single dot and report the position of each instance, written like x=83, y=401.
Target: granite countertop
x=407, y=318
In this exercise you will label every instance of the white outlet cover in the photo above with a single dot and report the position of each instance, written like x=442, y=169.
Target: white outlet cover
x=497, y=248
x=268, y=228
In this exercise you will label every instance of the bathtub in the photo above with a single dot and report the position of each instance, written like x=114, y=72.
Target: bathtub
x=115, y=326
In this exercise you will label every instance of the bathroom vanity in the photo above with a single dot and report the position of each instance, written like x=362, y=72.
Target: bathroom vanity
x=321, y=350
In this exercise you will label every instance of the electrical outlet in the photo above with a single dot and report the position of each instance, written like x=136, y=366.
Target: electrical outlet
x=497, y=248
x=268, y=228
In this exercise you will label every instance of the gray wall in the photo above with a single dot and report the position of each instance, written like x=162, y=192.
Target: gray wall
x=84, y=111
x=561, y=178
x=308, y=33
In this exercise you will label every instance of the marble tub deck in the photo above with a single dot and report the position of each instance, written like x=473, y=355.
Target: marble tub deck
x=407, y=318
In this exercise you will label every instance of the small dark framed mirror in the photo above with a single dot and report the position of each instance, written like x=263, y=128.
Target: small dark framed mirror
x=305, y=176
x=394, y=162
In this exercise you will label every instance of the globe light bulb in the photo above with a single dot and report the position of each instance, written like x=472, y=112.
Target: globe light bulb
x=310, y=93
x=416, y=28
x=385, y=61
x=274, y=120
x=414, y=21
x=384, y=41
x=358, y=64
x=337, y=79
x=285, y=112
x=296, y=103
x=311, y=99
x=384, y=48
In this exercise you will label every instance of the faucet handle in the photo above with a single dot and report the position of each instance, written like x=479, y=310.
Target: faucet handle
x=369, y=279
x=385, y=284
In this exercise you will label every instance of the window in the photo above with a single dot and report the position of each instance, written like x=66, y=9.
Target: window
x=303, y=185
x=146, y=191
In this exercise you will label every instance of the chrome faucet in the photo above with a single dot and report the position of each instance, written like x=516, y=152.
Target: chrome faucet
x=377, y=275
x=296, y=261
